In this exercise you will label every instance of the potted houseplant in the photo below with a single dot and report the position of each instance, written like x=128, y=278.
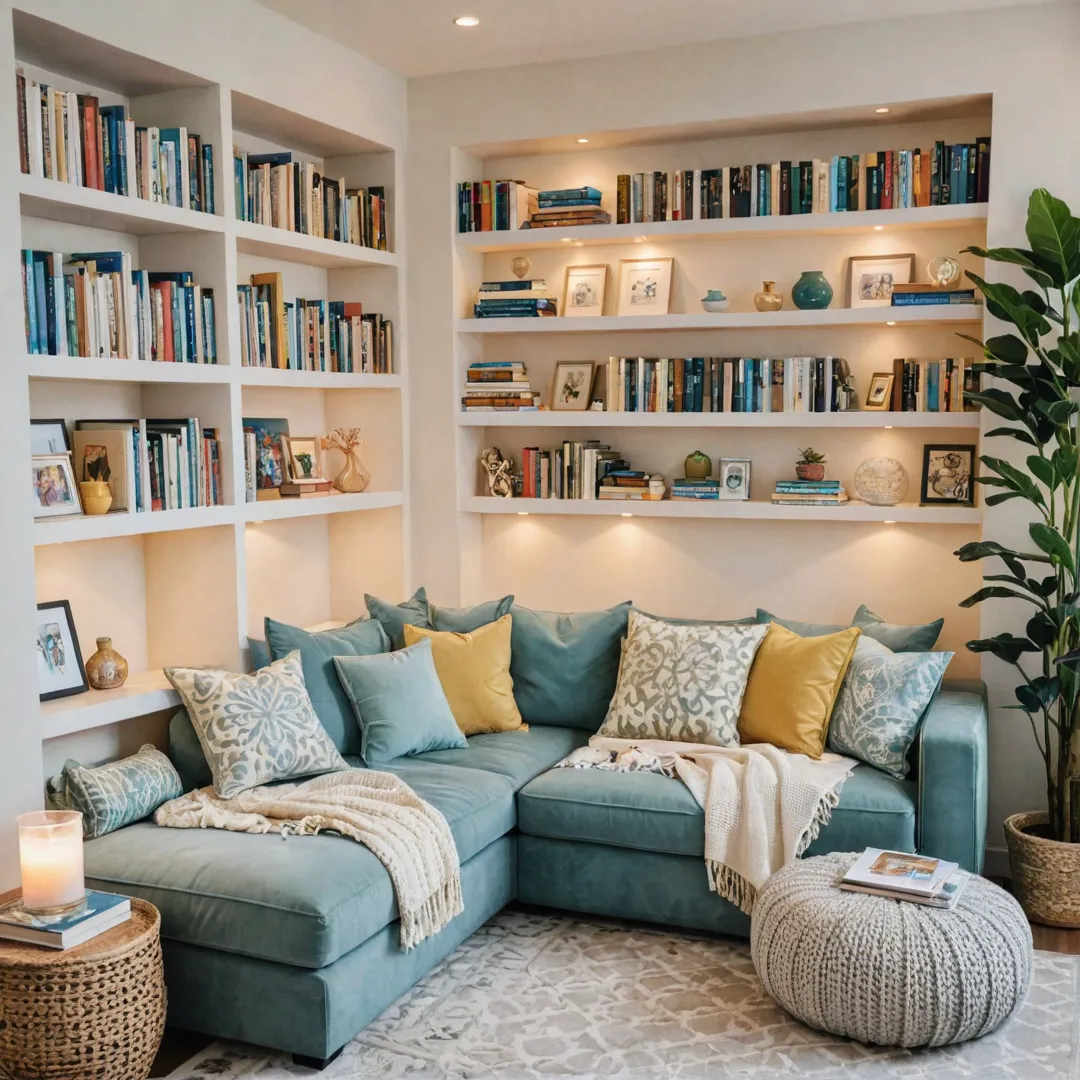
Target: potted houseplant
x=1036, y=372
x=811, y=465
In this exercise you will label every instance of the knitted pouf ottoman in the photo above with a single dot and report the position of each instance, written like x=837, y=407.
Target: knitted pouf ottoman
x=885, y=971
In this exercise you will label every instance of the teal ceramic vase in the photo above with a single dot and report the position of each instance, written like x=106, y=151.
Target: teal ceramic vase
x=811, y=291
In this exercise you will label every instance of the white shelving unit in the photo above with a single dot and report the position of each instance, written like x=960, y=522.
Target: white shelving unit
x=884, y=421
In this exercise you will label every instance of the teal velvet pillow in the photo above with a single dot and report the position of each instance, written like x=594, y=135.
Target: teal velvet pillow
x=399, y=703
x=750, y=620
x=803, y=629
x=565, y=667
x=260, y=653
x=467, y=619
x=317, y=651
x=917, y=638
x=416, y=611
x=186, y=753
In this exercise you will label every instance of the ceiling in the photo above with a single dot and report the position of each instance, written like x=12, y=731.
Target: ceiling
x=418, y=37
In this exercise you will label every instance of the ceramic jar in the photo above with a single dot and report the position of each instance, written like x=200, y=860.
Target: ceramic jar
x=767, y=300
x=96, y=496
x=811, y=291
x=353, y=477
x=697, y=466
x=106, y=669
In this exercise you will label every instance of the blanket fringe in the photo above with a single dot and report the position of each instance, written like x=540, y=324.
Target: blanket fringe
x=829, y=801
x=731, y=886
x=432, y=915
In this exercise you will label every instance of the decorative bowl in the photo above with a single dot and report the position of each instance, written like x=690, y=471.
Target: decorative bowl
x=715, y=305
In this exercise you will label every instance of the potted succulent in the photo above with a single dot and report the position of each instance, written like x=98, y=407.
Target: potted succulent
x=1036, y=371
x=811, y=465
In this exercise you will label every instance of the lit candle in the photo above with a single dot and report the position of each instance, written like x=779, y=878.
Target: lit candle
x=51, y=859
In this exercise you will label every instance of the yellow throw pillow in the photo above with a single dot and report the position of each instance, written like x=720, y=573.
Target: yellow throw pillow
x=792, y=688
x=474, y=670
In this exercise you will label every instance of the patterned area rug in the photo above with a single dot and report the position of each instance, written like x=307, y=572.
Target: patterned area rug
x=535, y=996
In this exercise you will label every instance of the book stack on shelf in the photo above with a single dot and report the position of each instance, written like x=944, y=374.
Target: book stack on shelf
x=96, y=305
x=74, y=139
x=820, y=384
x=915, y=879
x=275, y=190
x=574, y=470
x=631, y=485
x=569, y=206
x=101, y=912
x=495, y=205
x=922, y=295
x=933, y=385
x=498, y=386
x=515, y=299
x=694, y=489
x=809, y=493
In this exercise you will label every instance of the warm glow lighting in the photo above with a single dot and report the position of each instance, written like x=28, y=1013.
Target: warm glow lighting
x=888, y=427
x=891, y=322
x=878, y=228
x=51, y=861
x=640, y=239
x=883, y=109
x=890, y=521
x=567, y=239
x=583, y=140
x=523, y=513
x=466, y=20
x=626, y=515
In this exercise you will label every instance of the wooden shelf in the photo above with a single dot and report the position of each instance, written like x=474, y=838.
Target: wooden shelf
x=334, y=503
x=252, y=239
x=139, y=371
x=753, y=228
x=142, y=694
x=319, y=380
x=66, y=530
x=589, y=419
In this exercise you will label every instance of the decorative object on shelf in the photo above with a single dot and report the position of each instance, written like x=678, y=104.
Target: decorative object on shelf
x=59, y=661
x=499, y=471
x=645, y=286
x=881, y=481
x=51, y=862
x=104, y=451
x=106, y=669
x=49, y=437
x=597, y=405
x=715, y=301
x=871, y=278
x=302, y=459
x=943, y=270
x=948, y=475
x=353, y=477
x=767, y=300
x=735, y=478
x=811, y=465
x=879, y=393
x=520, y=265
x=55, y=490
x=571, y=390
x=811, y=292
x=96, y=496
x=697, y=466
x=585, y=289
x=270, y=454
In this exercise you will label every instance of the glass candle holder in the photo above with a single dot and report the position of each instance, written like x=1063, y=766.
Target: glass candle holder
x=51, y=860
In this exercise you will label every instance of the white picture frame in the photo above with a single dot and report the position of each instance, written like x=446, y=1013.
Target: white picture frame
x=871, y=278
x=735, y=479
x=645, y=286
x=585, y=290
x=56, y=492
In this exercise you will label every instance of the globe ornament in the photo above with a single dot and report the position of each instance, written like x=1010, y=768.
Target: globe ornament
x=881, y=481
x=943, y=271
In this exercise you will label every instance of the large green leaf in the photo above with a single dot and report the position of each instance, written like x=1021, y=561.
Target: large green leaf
x=1000, y=403
x=1039, y=693
x=1004, y=646
x=1016, y=257
x=1054, y=236
x=995, y=592
x=1043, y=471
x=985, y=549
x=1015, y=479
x=1053, y=543
x=1070, y=660
x=1005, y=302
x=1044, y=587
x=1042, y=630
x=1013, y=433
x=1064, y=462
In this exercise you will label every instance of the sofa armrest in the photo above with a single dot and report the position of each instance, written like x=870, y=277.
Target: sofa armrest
x=952, y=775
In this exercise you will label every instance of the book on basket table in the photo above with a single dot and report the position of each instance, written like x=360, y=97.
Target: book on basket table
x=897, y=875
x=102, y=912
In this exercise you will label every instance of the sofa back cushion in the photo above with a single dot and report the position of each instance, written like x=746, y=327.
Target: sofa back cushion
x=416, y=611
x=186, y=753
x=463, y=620
x=902, y=639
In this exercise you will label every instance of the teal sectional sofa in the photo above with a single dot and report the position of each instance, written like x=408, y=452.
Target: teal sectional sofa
x=293, y=944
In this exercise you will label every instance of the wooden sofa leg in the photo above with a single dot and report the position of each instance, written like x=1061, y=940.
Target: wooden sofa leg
x=318, y=1064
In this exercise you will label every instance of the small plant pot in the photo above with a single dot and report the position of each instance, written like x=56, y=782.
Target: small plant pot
x=808, y=471
x=96, y=496
x=1045, y=873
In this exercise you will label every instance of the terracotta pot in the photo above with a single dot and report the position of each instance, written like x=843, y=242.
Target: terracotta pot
x=807, y=471
x=106, y=669
x=1045, y=873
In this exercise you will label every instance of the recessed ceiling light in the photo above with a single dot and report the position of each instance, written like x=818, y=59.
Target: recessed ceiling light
x=626, y=515
x=890, y=521
x=891, y=322
x=583, y=140
x=878, y=228
x=567, y=239
x=889, y=427
x=468, y=20
x=523, y=513
x=883, y=109
x=640, y=239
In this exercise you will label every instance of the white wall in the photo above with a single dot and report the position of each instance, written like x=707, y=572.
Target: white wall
x=1025, y=58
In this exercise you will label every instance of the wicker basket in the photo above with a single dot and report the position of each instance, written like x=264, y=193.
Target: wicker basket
x=1045, y=873
x=94, y=1012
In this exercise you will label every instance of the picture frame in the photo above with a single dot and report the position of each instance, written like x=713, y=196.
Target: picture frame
x=49, y=437
x=879, y=392
x=302, y=455
x=735, y=479
x=645, y=286
x=56, y=491
x=571, y=388
x=871, y=278
x=948, y=474
x=59, y=660
x=584, y=290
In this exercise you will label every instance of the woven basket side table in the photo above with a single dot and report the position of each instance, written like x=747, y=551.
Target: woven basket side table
x=94, y=1012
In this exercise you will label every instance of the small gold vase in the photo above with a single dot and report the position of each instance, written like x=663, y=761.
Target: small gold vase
x=106, y=669
x=353, y=477
x=767, y=300
x=96, y=496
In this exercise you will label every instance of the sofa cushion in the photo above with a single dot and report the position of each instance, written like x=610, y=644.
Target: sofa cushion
x=918, y=638
x=416, y=610
x=652, y=812
x=462, y=620
x=303, y=901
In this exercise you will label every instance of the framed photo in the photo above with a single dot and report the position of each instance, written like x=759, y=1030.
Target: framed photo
x=59, y=662
x=303, y=459
x=56, y=494
x=879, y=394
x=572, y=389
x=49, y=437
x=270, y=453
x=871, y=278
x=735, y=478
x=585, y=289
x=645, y=286
x=948, y=475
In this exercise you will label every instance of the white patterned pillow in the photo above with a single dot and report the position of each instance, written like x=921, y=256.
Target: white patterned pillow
x=682, y=683
x=256, y=728
x=881, y=704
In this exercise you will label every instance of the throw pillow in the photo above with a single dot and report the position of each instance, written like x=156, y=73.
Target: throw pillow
x=793, y=687
x=416, y=611
x=748, y=621
x=681, y=683
x=466, y=619
x=474, y=669
x=120, y=793
x=260, y=653
x=565, y=667
x=186, y=753
x=882, y=704
x=803, y=629
x=255, y=728
x=364, y=637
x=399, y=703
x=917, y=638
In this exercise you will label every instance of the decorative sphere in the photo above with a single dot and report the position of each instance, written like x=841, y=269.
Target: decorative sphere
x=881, y=481
x=811, y=292
x=943, y=270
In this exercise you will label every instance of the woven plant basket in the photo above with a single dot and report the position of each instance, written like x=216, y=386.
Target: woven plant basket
x=94, y=1012
x=1045, y=873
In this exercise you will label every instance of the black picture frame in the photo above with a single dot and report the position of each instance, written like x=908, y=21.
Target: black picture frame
x=52, y=423
x=966, y=450
x=84, y=685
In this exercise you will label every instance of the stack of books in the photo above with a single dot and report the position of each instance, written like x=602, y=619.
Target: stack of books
x=922, y=295
x=632, y=485
x=809, y=493
x=569, y=206
x=694, y=489
x=516, y=299
x=498, y=386
x=916, y=879
x=101, y=912
x=495, y=205
x=574, y=470
x=933, y=385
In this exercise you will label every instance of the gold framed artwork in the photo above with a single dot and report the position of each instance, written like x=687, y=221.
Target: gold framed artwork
x=571, y=390
x=302, y=457
x=879, y=393
x=645, y=286
x=584, y=291
x=871, y=278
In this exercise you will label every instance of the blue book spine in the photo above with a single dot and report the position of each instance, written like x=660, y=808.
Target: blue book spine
x=209, y=205
x=510, y=286
x=178, y=341
x=30, y=292
x=954, y=175
x=550, y=204
x=210, y=330
x=965, y=166
x=40, y=302
x=191, y=315
x=841, y=187
x=834, y=186
x=238, y=189
x=929, y=299
x=571, y=193
x=933, y=387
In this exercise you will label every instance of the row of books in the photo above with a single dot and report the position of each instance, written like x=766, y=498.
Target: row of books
x=273, y=189
x=75, y=139
x=574, y=470
x=568, y=206
x=498, y=386
x=94, y=304
x=933, y=385
x=809, y=493
x=898, y=875
x=820, y=384
x=495, y=205
x=917, y=294
x=514, y=299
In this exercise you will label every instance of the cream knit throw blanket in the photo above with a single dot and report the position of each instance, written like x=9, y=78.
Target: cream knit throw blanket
x=763, y=806
x=408, y=836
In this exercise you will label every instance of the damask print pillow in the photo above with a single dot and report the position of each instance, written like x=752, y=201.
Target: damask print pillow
x=882, y=703
x=256, y=728
x=682, y=683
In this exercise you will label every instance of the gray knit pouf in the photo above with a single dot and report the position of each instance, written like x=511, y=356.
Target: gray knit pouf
x=887, y=972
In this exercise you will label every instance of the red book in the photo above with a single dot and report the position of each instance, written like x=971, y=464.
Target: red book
x=88, y=109
x=887, y=186
x=165, y=289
